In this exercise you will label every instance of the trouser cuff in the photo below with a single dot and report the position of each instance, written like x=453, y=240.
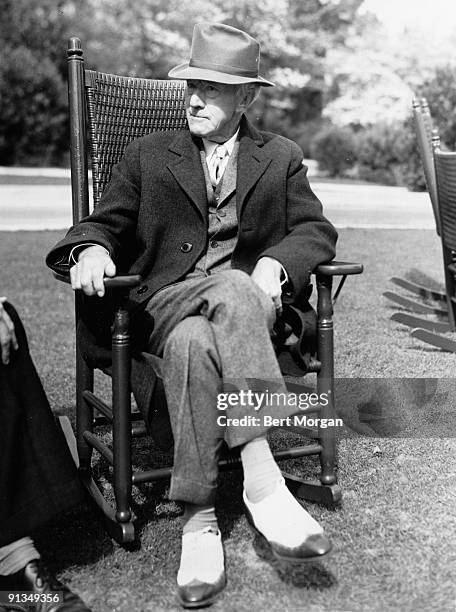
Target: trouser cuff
x=191, y=491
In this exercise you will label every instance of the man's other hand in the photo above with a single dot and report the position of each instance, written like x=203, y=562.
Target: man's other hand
x=8, y=338
x=93, y=265
x=266, y=275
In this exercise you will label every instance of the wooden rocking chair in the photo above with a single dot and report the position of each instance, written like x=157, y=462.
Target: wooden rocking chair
x=428, y=138
x=445, y=174
x=106, y=113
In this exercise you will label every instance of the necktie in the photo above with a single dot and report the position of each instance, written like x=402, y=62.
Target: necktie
x=217, y=167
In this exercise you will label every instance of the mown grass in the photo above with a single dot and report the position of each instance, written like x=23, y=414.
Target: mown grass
x=394, y=533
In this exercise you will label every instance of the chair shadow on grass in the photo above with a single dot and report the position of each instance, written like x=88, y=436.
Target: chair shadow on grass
x=418, y=276
x=393, y=407
x=75, y=537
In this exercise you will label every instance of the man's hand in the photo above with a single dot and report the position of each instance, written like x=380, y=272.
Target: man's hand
x=93, y=265
x=8, y=338
x=266, y=275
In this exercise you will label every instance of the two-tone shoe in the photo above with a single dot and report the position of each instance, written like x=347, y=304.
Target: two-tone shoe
x=201, y=577
x=50, y=594
x=291, y=533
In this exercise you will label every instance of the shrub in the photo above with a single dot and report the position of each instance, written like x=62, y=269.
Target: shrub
x=388, y=153
x=32, y=108
x=377, y=160
x=334, y=150
x=303, y=133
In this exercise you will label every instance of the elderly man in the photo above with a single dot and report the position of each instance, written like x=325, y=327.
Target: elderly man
x=37, y=475
x=218, y=220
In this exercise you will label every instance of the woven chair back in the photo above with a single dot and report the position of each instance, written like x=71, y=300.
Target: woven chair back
x=121, y=109
x=445, y=171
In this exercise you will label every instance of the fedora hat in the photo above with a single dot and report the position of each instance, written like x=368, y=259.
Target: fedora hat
x=221, y=54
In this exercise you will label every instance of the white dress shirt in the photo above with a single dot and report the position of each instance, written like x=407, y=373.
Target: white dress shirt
x=211, y=150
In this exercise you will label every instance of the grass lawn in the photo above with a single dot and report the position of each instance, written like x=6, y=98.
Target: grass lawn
x=394, y=533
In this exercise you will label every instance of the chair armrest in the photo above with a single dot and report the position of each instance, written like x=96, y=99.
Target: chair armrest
x=339, y=268
x=116, y=282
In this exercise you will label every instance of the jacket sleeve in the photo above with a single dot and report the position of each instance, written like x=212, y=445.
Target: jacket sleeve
x=113, y=223
x=311, y=238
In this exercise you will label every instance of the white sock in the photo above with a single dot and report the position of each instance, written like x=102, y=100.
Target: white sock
x=261, y=472
x=198, y=517
x=15, y=556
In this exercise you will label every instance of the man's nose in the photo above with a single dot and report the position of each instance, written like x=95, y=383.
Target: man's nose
x=197, y=99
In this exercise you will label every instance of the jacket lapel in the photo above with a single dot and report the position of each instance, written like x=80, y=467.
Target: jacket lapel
x=188, y=170
x=252, y=162
x=229, y=176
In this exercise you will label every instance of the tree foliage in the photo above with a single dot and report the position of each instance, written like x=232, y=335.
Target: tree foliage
x=440, y=92
x=147, y=38
x=32, y=108
x=32, y=80
x=334, y=149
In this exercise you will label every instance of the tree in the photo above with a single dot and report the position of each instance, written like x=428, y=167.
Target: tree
x=147, y=38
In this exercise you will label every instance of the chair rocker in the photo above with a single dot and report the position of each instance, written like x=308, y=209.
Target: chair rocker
x=106, y=113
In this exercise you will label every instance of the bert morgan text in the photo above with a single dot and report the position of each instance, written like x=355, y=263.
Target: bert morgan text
x=266, y=420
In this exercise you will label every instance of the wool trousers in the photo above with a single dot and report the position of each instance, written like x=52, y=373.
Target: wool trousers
x=213, y=334
x=37, y=475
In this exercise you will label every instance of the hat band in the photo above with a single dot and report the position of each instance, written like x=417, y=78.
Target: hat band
x=237, y=71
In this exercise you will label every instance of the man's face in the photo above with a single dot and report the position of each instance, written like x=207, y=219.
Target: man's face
x=213, y=109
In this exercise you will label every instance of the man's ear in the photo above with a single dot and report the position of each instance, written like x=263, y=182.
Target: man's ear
x=245, y=98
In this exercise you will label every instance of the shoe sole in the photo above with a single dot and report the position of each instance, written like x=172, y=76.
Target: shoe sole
x=278, y=556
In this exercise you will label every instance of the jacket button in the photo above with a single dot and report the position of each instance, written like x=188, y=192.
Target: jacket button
x=214, y=244
x=186, y=247
x=142, y=289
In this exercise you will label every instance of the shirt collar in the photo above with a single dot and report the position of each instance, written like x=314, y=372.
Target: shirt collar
x=210, y=146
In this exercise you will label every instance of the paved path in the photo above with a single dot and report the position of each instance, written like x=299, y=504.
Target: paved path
x=35, y=207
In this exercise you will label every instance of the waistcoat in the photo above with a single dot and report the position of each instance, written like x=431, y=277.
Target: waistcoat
x=222, y=222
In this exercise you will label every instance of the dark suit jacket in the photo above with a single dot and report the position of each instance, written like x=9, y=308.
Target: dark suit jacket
x=153, y=219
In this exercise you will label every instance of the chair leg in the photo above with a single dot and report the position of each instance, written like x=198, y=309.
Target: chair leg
x=84, y=412
x=122, y=533
x=325, y=378
x=121, y=406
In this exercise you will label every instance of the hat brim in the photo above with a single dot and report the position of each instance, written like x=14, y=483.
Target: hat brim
x=184, y=71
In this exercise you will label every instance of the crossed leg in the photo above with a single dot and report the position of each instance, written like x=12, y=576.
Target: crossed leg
x=210, y=332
